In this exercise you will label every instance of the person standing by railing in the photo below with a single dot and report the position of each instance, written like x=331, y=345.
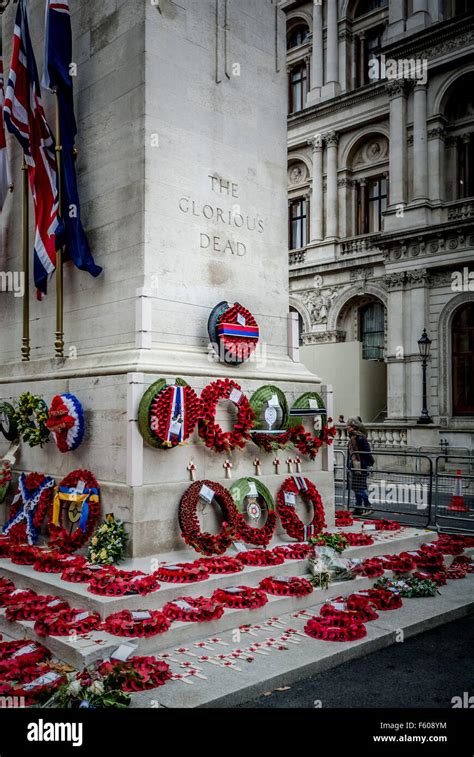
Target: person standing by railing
x=357, y=464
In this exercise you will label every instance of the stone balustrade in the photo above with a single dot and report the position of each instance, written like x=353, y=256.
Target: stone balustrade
x=379, y=436
x=360, y=244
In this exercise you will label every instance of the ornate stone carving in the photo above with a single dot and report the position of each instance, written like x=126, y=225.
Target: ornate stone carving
x=325, y=337
x=362, y=273
x=318, y=303
x=372, y=151
x=417, y=278
x=395, y=280
x=297, y=174
x=316, y=142
x=331, y=139
x=343, y=182
x=298, y=256
x=440, y=278
x=439, y=132
x=397, y=88
x=466, y=210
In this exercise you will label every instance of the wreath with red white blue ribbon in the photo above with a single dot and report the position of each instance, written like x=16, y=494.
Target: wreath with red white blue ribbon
x=168, y=414
x=234, y=332
x=29, y=508
x=66, y=422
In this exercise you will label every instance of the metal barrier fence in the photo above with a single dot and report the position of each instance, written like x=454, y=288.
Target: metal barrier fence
x=414, y=489
x=454, y=495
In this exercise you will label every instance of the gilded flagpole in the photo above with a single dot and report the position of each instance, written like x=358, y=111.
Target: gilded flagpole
x=25, y=347
x=59, y=343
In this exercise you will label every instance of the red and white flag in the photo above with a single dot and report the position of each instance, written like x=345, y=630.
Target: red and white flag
x=25, y=119
x=4, y=179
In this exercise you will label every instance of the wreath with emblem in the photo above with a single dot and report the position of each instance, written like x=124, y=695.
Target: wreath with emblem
x=78, y=498
x=29, y=508
x=8, y=422
x=249, y=494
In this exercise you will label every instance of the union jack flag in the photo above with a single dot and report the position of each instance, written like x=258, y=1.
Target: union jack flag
x=4, y=182
x=25, y=119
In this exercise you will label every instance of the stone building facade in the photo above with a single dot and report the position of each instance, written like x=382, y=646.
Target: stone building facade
x=381, y=201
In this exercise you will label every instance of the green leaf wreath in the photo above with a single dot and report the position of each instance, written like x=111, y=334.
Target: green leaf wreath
x=108, y=543
x=31, y=414
x=410, y=587
x=90, y=690
x=335, y=541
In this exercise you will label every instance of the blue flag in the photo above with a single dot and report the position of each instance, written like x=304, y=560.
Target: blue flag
x=57, y=78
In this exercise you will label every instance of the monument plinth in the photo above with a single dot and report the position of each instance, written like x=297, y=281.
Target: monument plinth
x=182, y=174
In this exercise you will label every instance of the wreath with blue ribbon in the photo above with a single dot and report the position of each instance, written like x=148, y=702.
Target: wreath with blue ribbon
x=29, y=507
x=80, y=491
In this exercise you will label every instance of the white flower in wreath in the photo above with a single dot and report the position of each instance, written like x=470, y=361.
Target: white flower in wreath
x=97, y=687
x=74, y=688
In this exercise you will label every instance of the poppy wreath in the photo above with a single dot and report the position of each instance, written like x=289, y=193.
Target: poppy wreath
x=119, y=583
x=31, y=414
x=209, y=431
x=383, y=525
x=357, y=540
x=193, y=610
x=360, y=611
x=4, y=547
x=125, y=624
x=270, y=407
x=5, y=478
x=260, y=537
x=233, y=332
x=220, y=565
x=16, y=654
x=335, y=629
x=240, y=597
x=370, y=568
x=260, y=557
x=81, y=575
x=137, y=673
x=67, y=622
x=29, y=508
x=343, y=519
x=290, y=521
x=286, y=586
x=293, y=551
x=304, y=442
x=182, y=573
x=17, y=596
x=456, y=571
x=35, y=684
x=382, y=599
x=66, y=422
x=464, y=560
x=425, y=559
x=23, y=554
x=79, y=489
x=438, y=577
x=32, y=609
x=6, y=586
x=54, y=562
x=450, y=546
x=168, y=414
x=8, y=422
x=206, y=543
x=398, y=563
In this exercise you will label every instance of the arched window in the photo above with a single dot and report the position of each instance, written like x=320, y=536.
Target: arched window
x=459, y=111
x=297, y=35
x=298, y=87
x=462, y=331
x=372, y=331
x=300, y=325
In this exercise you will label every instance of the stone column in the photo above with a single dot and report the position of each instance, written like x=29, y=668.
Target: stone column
x=396, y=23
x=396, y=348
x=416, y=302
x=398, y=143
x=436, y=174
x=332, y=141
x=317, y=194
x=332, y=86
x=420, y=144
x=420, y=16
x=317, y=65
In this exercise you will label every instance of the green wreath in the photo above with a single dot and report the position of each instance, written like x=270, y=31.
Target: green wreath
x=304, y=403
x=8, y=422
x=31, y=416
x=154, y=413
x=242, y=491
x=271, y=431
x=108, y=543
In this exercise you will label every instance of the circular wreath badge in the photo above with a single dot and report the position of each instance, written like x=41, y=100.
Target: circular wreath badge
x=31, y=417
x=8, y=422
x=80, y=492
x=248, y=494
x=206, y=543
x=168, y=414
x=209, y=431
x=233, y=333
x=66, y=422
x=29, y=508
x=271, y=418
x=290, y=521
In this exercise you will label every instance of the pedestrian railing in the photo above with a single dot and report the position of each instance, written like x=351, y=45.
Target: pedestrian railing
x=454, y=495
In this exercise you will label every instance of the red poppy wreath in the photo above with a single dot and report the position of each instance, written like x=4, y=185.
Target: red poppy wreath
x=260, y=557
x=240, y=597
x=285, y=501
x=360, y=612
x=168, y=414
x=193, y=610
x=220, y=565
x=233, y=332
x=35, y=607
x=139, y=623
x=67, y=623
x=137, y=673
x=382, y=599
x=335, y=629
x=286, y=586
x=182, y=573
x=120, y=583
x=16, y=654
x=81, y=493
x=210, y=432
x=206, y=543
x=293, y=551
